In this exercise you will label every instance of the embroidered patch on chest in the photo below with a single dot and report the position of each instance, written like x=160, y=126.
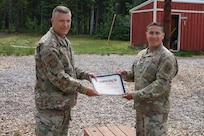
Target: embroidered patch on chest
x=53, y=63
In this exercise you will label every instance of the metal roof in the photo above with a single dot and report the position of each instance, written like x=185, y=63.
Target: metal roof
x=183, y=1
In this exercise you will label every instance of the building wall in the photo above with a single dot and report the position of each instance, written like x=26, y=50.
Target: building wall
x=191, y=24
x=183, y=6
x=139, y=23
x=192, y=31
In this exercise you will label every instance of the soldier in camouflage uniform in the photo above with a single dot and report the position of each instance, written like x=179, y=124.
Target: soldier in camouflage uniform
x=57, y=85
x=152, y=72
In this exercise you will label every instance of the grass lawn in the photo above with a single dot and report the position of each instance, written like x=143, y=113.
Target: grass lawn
x=24, y=44
x=89, y=45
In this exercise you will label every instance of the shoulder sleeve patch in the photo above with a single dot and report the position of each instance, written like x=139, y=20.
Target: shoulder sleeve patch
x=168, y=68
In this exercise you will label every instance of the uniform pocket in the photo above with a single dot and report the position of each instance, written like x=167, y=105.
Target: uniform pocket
x=49, y=119
x=150, y=72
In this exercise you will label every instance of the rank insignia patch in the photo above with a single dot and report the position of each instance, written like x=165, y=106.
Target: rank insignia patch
x=53, y=63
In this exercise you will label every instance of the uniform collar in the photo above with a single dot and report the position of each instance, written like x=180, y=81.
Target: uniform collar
x=152, y=52
x=63, y=42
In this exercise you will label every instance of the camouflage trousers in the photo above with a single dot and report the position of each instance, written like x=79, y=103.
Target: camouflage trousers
x=151, y=124
x=52, y=122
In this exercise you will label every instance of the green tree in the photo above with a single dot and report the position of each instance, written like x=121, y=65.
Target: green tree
x=13, y=12
x=92, y=17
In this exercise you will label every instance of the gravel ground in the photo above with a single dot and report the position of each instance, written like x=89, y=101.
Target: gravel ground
x=17, y=78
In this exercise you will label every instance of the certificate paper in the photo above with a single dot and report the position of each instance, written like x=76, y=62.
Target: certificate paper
x=109, y=84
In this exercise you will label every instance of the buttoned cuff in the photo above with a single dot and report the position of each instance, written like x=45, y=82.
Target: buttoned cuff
x=135, y=96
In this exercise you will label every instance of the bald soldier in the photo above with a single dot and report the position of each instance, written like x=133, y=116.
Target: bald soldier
x=57, y=86
x=152, y=72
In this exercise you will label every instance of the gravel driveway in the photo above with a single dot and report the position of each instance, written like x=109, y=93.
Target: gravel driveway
x=17, y=78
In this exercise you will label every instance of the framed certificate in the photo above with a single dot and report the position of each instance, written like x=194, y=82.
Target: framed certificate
x=109, y=84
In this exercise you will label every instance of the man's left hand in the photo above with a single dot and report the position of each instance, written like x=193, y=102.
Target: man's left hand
x=128, y=96
x=91, y=75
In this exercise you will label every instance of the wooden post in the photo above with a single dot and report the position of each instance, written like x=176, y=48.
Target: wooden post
x=113, y=21
x=167, y=23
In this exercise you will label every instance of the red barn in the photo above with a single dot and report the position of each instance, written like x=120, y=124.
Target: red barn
x=187, y=25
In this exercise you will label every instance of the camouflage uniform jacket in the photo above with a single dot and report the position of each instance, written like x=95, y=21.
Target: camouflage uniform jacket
x=57, y=85
x=152, y=73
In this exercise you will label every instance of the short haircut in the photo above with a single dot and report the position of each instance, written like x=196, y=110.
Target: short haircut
x=61, y=9
x=155, y=24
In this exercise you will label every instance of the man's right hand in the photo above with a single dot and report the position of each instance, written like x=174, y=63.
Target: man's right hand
x=121, y=72
x=91, y=92
x=127, y=96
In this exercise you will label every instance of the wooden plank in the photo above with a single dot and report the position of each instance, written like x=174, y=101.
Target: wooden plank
x=92, y=132
x=110, y=131
x=127, y=130
x=116, y=131
x=105, y=131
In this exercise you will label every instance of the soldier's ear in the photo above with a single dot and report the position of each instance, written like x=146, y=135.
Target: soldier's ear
x=163, y=35
x=51, y=20
x=146, y=33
